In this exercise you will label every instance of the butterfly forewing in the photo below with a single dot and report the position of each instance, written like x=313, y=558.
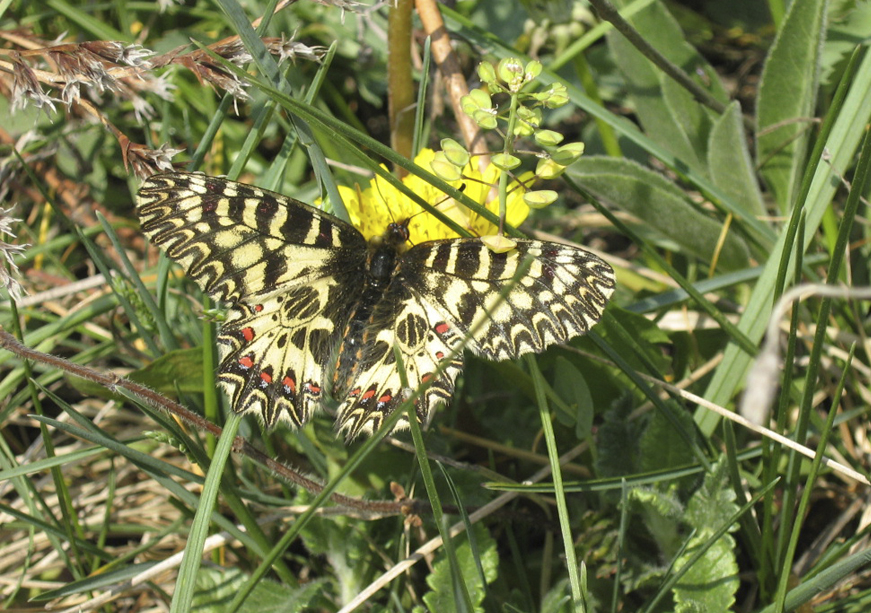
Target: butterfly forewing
x=238, y=241
x=535, y=295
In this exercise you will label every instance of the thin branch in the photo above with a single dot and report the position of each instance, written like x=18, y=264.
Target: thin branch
x=449, y=66
x=609, y=13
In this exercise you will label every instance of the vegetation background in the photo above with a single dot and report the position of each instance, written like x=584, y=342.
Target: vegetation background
x=726, y=164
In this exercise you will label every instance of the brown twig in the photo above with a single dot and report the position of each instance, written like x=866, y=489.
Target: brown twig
x=400, y=84
x=449, y=66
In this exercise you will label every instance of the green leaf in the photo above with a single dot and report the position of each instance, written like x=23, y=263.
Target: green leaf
x=216, y=587
x=344, y=545
x=787, y=96
x=617, y=441
x=848, y=121
x=848, y=24
x=177, y=371
x=655, y=96
x=662, y=446
x=441, y=599
x=661, y=205
x=572, y=388
x=688, y=116
x=662, y=512
x=730, y=162
x=711, y=583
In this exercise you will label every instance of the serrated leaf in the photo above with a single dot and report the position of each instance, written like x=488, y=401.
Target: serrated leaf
x=441, y=599
x=662, y=446
x=661, y=205
x=617, y=441
x=712, y=582
x=787, y=95
x=216, y=587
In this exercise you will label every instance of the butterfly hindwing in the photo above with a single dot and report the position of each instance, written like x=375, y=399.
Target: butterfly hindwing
x=430, y=354
x=285, y=270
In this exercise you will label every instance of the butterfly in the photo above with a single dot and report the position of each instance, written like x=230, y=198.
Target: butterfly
x=314, y=310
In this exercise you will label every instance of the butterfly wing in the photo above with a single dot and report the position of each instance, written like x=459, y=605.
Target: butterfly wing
x=287, y=271
x=407, y=322
x=505, y=305
x=509, y=304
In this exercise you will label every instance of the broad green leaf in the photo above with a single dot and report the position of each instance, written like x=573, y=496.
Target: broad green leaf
x=662, y=512
x=662, y=446
x=660, y=205
x=688, y=115
x=787, y=96
x=712, y=581
x=660, y=116
x=848, y=25
x=848, y=128
x=216, y=587
x=570, y=385
x=177, y=371
x=617, y=441
x=730, y=162
x=344, y=546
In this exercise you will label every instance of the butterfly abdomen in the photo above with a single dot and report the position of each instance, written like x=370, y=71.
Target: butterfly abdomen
x=357, y=341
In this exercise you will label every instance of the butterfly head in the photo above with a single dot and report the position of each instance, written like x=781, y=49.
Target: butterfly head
x=394, y=237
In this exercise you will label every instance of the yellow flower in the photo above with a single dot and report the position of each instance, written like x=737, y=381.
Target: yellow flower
x=372, y=209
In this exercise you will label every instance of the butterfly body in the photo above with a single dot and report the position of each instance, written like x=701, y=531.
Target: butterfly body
x=315, y=310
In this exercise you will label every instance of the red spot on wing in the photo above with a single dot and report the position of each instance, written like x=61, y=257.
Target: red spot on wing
x=266, y=377
x=439, y=355
x=369, y=394
x=427, y=377
x=313, y=388
x=246, y=362
x=442, y=328
x=289, y=383
x=386, y=398
x=354, y=392
x=248, y=333
x=258, y=308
